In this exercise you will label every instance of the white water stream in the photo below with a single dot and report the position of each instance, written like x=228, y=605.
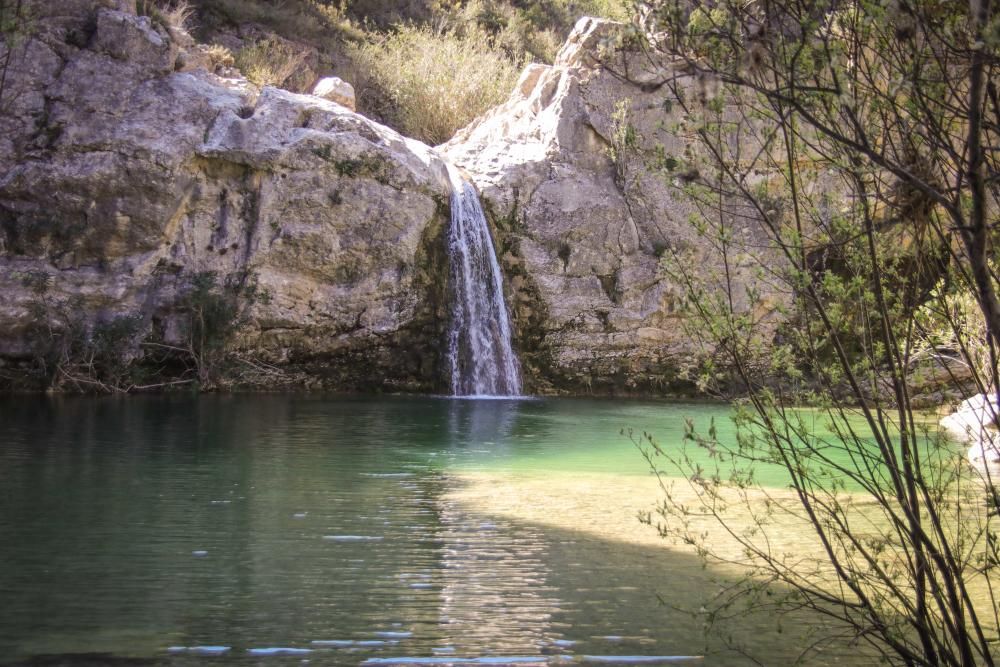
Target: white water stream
x=482, y=360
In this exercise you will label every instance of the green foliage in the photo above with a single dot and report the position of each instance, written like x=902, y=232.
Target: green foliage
x=112, y=346
x=215, y=312
x=624, y=143
x=435, y=83
x=845, y=198
x=15, y=27
x=533, y=30
x=363, y=166
x=320, y=24
x=73, y=353
x=13, y=21
x=372, y=166
x=950, y=322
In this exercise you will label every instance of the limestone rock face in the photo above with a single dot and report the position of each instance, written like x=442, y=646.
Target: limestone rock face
x=131, y=38
x=581, y=231
x=336, y=90
x=123, y=179
x=129, y=173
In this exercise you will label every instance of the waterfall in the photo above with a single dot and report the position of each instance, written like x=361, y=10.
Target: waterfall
x=479, y=351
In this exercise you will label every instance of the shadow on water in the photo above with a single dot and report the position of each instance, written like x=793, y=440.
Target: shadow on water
x=330, y=526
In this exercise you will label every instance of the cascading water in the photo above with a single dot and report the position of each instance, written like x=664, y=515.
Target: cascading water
x=479, y=351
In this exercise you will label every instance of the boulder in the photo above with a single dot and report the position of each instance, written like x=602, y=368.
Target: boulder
x=336, y=90
x=133, y=39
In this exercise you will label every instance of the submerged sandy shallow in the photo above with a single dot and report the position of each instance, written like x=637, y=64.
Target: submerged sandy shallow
x=607, y=506
x=663, y=584
x=601, y=512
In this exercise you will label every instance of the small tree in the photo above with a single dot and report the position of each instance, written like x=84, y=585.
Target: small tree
x=215, y=312
x=13, y=29
x=859, y=142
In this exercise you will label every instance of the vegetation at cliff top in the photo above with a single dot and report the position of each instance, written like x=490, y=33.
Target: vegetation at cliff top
x=425, y=68
x=431, y=84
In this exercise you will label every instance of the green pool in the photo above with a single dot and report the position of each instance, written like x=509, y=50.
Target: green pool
x=289, y=529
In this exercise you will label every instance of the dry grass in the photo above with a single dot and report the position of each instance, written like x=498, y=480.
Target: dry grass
x=433, y=83
x=309, y=21
x=174, y=16
x=220, y=56
x=269, y=62
x=425, y=68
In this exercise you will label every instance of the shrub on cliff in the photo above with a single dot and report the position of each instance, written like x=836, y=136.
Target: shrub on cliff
x=269, y=62
x=173, y=15
x=124, y=352
x=309, y=21
x=430, y=84
x=70, y=353
x=213, y=312
x=532, y=29
x=15, y=26
x=470, y=49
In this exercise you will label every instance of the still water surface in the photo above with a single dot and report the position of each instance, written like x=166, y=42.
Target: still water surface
x=283, y=529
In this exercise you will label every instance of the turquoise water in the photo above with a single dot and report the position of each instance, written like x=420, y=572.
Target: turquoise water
x=156, y=528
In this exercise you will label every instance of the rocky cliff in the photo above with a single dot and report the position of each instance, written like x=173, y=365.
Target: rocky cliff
x=577, y=168
x=129, y=175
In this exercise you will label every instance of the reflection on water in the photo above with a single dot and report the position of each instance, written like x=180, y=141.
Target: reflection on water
x=484, y=426
x=498, y=569
x=227, y=528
